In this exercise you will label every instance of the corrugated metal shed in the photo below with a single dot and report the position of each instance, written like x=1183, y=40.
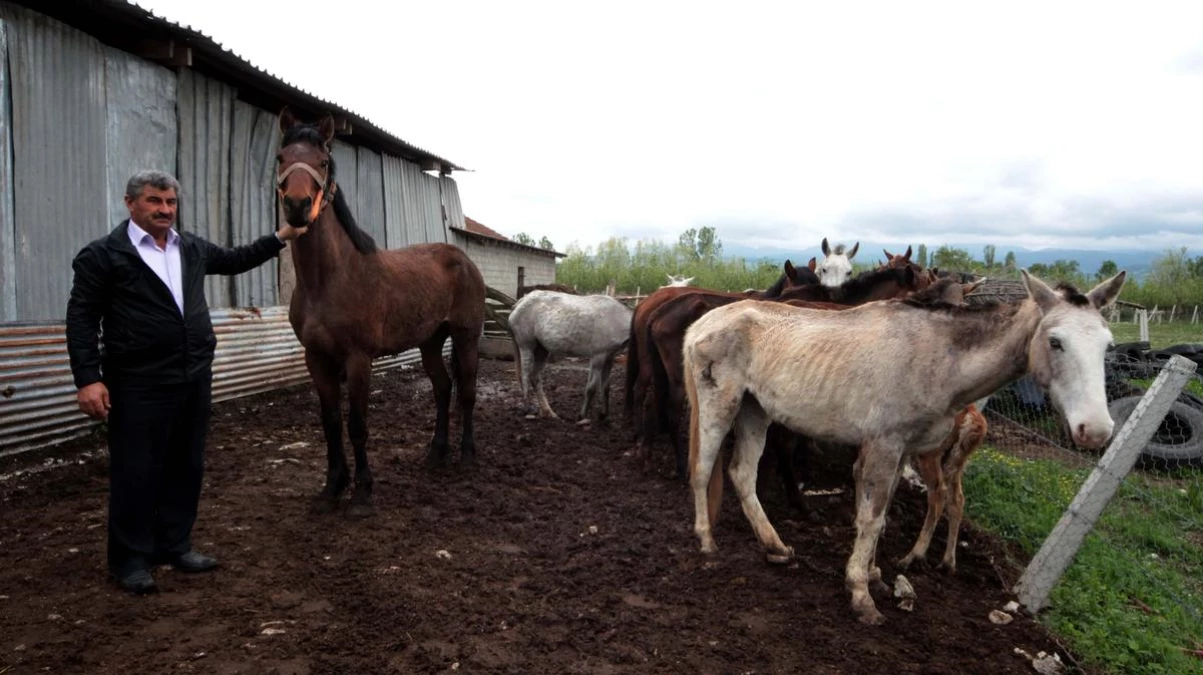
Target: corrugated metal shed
x=256, y=352
x=140, y=120
x=396, y=233
x=8, y=262
x=369, y=202
x=346, y=171
x=206, y=114
x=253, y=146
x=58, y=147
x=451, y=203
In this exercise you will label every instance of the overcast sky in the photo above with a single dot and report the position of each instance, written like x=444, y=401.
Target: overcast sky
x=1031, y=124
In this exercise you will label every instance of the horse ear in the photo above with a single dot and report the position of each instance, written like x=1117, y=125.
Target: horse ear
x=825, y=248
x=811, y=264
x=287, y=120
x=969, y=288
x=670, y=277
x=326, y=128
x=1039, y=291
x=852, y=253
x=889, y=256
x=790, y=272
x=907, y=255
x=1106, y=292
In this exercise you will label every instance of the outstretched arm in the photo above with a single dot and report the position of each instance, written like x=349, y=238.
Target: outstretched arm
x=221, y=260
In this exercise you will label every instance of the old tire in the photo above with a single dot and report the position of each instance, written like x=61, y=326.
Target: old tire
x=1178, y=441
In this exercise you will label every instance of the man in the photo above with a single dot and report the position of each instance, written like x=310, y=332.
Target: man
x=151, y=381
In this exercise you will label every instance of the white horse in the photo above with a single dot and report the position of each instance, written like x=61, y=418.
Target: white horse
x=676, y=281
x=544, y=323
x=889, y=377
x=836, y=267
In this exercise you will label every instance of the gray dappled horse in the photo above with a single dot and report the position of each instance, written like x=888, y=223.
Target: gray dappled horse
x=544, y=323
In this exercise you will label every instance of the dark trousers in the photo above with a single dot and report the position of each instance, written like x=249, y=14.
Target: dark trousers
x=156, y=464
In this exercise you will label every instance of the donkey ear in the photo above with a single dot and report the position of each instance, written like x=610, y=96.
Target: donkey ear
x=811, y=264
x=287, y=120
x=1106, y=292
x=825, y=248
x=852, y=253
x=1039, y=291
x=326, y=128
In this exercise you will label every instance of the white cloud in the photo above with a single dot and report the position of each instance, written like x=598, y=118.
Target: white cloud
x=811, y=119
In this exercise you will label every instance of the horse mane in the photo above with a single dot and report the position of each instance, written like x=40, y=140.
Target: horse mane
x=776, y=289
x=1071, y=294
x=360, y=239
x=838, y=250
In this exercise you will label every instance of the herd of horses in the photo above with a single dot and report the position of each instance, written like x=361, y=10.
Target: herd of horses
x=889, y=362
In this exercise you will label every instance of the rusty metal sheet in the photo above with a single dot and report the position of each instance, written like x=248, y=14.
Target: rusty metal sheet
x=257, y=351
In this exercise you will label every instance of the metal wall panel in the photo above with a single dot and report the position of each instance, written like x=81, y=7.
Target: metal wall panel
x=255, y=140
x=396, y=235
x=451, y=204
x=58, y=149
x=346, y=172
x=256, y=352
x=369, y=206
x=8, y=237
x=422, y=205
x=430, y=192
x=141, y=128
x=206, y=113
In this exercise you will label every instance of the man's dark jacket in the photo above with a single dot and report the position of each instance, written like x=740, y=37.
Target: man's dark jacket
x=145, y=338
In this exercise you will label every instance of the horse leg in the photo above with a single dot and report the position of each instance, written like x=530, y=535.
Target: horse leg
x=968, y=441
x=606, y=370
x=325, y=372
x=359, y=380
x=432, y=361
x=751, y=429
x=591, y=386
x=876, y=473
x=540, y=362
x=933, y=478
x=527, y=355
x=706, y=434
x=465, y=359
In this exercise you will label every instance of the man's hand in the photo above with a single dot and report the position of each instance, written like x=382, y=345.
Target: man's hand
x=289, y=233
x=94, y=400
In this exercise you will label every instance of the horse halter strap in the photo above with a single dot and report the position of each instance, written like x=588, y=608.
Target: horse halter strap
x=327, y=186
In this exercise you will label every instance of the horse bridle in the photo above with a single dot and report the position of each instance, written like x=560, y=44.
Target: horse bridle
x=326, y=186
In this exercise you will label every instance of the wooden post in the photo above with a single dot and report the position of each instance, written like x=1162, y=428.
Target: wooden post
x=1059, y=549
x=1143, y=316
x=1194, y=319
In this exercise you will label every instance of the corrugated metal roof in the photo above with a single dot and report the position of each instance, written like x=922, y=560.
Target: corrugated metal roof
x=122, y=23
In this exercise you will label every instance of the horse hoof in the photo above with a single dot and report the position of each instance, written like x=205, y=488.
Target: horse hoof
x=532, y=416
x=871, y=617
x=324, y=505
x=780, y=558
x=584, y=422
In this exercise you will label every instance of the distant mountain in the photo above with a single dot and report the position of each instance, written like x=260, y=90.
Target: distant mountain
x=1138, y=263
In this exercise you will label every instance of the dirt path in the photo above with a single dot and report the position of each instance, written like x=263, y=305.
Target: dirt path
x=559, y=556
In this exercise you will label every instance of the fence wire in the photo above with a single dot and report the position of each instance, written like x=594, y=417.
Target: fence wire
x=1155, y=520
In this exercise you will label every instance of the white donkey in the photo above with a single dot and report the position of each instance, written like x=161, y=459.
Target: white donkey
x=836, y=267
x=544, y=323
x=889, y=377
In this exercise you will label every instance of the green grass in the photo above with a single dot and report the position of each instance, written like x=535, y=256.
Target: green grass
x=1131, y=601
x=1161, y=335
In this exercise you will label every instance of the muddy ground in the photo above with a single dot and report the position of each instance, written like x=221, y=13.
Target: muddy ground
x=559, y=555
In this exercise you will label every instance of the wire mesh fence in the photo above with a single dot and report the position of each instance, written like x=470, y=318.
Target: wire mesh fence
x=1143, y=498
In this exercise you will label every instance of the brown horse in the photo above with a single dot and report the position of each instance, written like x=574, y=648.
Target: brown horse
x=639, y=373
x=354, y=302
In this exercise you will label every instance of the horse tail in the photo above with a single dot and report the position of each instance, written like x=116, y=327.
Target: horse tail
x=517, y=360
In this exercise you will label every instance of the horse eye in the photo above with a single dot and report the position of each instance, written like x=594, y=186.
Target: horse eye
x=279, y=159
x=325, y=163
x=1055, y=343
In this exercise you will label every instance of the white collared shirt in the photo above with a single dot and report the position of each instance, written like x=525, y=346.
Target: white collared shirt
x=165, y=263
